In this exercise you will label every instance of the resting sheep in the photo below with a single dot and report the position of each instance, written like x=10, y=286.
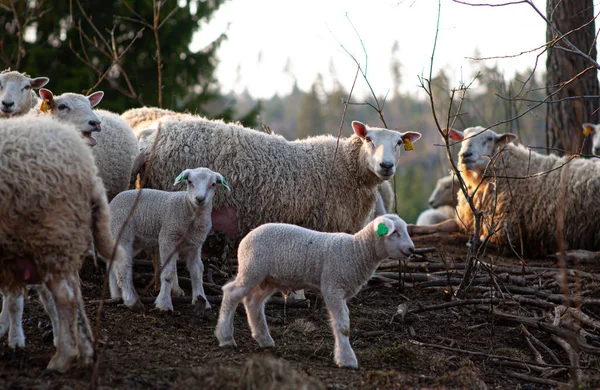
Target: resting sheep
x=528, y=208
x=52, y=204
x=170, y=222
x=275, y=180
x=286, y=257
x=443, y=201
x=115, y=146
x=17, y=94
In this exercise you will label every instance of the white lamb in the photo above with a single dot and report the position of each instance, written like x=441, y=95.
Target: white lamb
x=443, y=201
x=170, y=222
x=283, y=257
x=16, y=92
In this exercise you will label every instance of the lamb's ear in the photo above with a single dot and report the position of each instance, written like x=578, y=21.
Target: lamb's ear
x=588, y=129
x=506, y=138
x=38, y=82
x=182, y=177
x=384, y=226
x=47, y=99
x=454, y=135
x=95, y=98
x=221, y=180
x=359, y=129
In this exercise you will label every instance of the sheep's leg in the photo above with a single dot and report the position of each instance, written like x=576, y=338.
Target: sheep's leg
x=65, y=298
x=196, y=268
x=121, y=278
x=340, y=324
x=50, y=307
x=85, y=338
x=15, y=302
x=233, y=293
x=254, y=303
x=176, y=290
x=167, y=276
x=4, y=317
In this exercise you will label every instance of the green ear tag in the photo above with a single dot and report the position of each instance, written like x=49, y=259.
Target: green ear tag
x=182, y=176
x=225, y=184
x=382, y=230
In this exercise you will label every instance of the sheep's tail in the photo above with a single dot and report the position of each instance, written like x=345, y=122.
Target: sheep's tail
x=139, y=167
x=103, y=239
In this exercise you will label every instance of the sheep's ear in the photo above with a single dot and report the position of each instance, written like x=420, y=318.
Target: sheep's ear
x=588, y=129
x=47, y=100
x=38, y=82
x=384, y=226
x=359, y=129
x=506, y=137
x=412, y=136
x=454, y=135
x=95, y=98
x=222, y=181
x=183, y=176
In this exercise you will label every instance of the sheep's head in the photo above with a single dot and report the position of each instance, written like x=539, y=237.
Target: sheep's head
x=201, y=184
x=74, y=109
x=478, y=147
x=16, y=96
x=383, y=147
x=593, y=130
x=393, y=231
x=444, y=193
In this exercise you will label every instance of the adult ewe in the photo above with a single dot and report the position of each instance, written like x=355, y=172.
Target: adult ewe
x=17, y=94
x=51, y=205
x=523, y=194
x=115, y=147
x=274, y=180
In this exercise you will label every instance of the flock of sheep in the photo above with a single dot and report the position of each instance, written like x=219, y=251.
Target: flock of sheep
x=313, y=213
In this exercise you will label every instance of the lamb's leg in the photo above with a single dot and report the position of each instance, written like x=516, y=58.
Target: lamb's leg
x=233, y=293
x=254, y=303
x=85, y=338
x=169, y=269
x=4, y=317
x=50, y=307
x=65, y=298
x=196, y=268
x=15, y=302
x=176, y=290
x=121, y=278
x=340, y=324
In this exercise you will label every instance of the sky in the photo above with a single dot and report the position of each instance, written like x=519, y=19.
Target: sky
x=314, y=35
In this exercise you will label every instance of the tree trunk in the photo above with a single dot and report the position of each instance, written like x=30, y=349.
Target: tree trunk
x=570, y=75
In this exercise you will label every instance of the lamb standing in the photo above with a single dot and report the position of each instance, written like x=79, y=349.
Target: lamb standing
x=286, y=257
x=52, y=205
x=525, y=188
x=276, y=180
x=17, y=94
x=170, y=222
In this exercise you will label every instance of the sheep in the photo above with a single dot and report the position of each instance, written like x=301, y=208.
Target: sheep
x=529, y=191
x=443, y=201
x=592, y=129
x=52, y=204
x=140, y=119
x=17, y=94
x=276, y=180
x=282, y=257
x=115, y=146
x=435, y=216
x=161, y=220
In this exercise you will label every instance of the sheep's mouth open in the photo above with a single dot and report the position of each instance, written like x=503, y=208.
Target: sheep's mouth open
x=87, y=137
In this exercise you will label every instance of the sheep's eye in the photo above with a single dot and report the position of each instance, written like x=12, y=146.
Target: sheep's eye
x=489, y=139
x=400, y=142
x=214, y=184
x=27, y=87
x=368, y=139
x=62, y=107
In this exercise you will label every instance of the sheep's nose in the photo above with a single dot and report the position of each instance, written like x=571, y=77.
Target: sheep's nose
x=200, y=200
x=431, y=202
x=597, y=151
x=386, y=165
x=466, y=154
x=95, y=124
x=7, y=104
x=411, y=249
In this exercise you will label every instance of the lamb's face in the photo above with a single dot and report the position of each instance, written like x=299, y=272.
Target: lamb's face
x=478, y=147
x=76, y=110
x=15, y=90
x=392, y=230
x=383, y=147
x=594, y=132
x=201, y=184
x=444, y=192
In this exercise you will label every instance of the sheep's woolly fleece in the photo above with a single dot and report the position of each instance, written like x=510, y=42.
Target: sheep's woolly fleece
x=529, y=208
x=142, y=118
x=47, y=185
x=272, y=179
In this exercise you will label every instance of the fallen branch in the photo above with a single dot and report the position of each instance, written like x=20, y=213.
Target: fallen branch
x=534, y=379
x=213, y=299
x=536, y=341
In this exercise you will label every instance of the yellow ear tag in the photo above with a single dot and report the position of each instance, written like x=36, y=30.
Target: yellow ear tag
x=44, y=105
x=407, y=144
x=587, y=131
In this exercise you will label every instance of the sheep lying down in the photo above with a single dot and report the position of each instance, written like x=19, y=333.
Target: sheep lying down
x=283, y=257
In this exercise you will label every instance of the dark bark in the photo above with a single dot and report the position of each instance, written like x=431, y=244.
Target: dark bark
x=571, y=75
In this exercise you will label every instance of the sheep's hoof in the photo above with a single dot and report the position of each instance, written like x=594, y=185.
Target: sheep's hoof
x=266, y=343
x=228, y=344
x=353, y=366
x=136, y=306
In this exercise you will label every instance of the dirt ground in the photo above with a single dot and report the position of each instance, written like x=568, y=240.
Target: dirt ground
x=150, y=350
